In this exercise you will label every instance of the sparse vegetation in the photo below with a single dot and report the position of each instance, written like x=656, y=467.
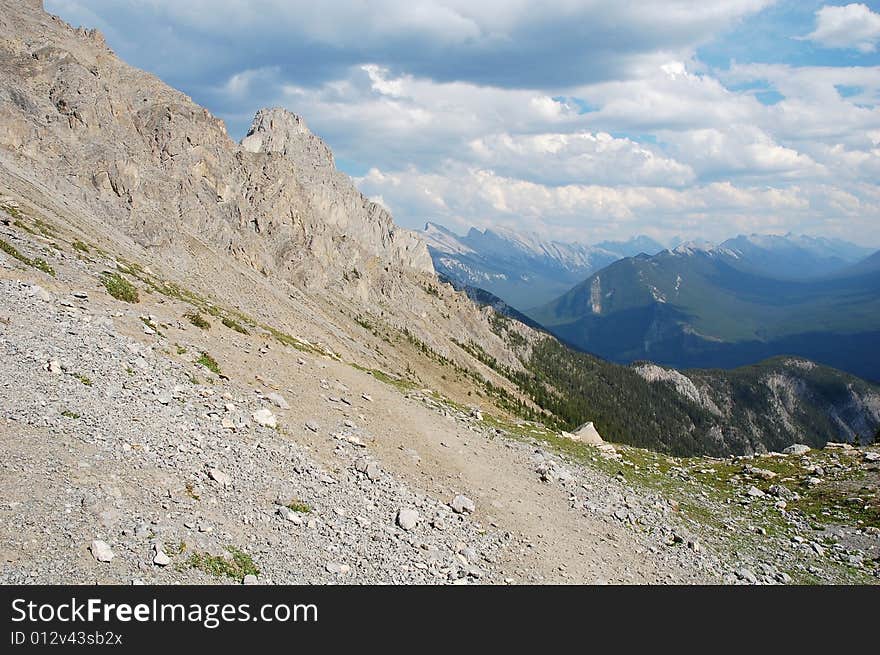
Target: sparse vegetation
x=68, y=414
x=85, y=379
x=209, y=363
x=299, y=506
x=37, y=262
x=146, y=321
x=80, y=246
x=232, y=324
x=236, y=567
x=190, y=491
x=12, y=210
x=120, y=288
x=198, y=320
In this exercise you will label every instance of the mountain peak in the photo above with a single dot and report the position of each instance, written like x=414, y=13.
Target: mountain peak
x=277, y=130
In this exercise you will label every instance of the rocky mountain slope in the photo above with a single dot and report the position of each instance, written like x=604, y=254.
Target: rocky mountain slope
x=221, y=363
x=523, y=270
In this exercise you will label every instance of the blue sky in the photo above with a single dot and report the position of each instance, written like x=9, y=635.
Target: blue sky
x=580, y=120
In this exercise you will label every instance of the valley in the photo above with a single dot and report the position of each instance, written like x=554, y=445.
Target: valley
x=223, y=363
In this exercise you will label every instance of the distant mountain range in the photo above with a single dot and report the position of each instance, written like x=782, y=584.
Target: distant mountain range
x=522, y=269
x=726, y=305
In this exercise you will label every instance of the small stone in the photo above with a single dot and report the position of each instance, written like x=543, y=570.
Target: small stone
x=161, y=559
x=780, y=491
x=872, y=457
x=312, y=425
x=53, y=366
x=41, y=293
x=367, y=397
x=337, y=568
x=265, y=418
x=250, y=579
x=747, y=575
x=754, y=492
x=219, y=476
x=797, y=449
x=278, y=400
x=461, y=504
x=834, y=445
x=101, y=551
x=290, y=515
x=764, y=474
x=407, y=518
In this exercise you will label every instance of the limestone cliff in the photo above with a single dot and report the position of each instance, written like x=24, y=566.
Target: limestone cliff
x=149, y=161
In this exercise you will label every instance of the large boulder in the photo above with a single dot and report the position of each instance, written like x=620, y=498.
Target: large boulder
x=588, y=434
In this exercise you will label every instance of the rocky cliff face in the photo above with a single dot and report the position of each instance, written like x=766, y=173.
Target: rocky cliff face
x=148, y=161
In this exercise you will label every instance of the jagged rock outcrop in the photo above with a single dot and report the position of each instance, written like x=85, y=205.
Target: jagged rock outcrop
x=150, y=162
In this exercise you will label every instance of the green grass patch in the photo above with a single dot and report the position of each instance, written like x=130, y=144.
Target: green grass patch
x=299, y=506
x=239, y=565
x=15, y=212
x=81, y=247
x=209, y=363
x=85, y=379
x=38, y=263
x=68, y=414
x=400, y=383
x=198, y=320
x=232, y=324
x=24, y=226
x=120, y=288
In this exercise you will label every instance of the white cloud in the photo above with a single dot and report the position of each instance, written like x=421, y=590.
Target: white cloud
x=566, y=117
x=851, y=26
x=580, y=157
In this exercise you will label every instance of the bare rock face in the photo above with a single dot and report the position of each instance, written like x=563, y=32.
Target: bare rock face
x=147, y=160
x=330, y=193
x=128, y=161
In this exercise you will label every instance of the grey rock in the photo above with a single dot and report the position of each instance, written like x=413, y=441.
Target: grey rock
x=461, y=504
x=219, y=476
x=265, y=417
x=278, y=400
x=407, y=518
x=747, y=574
x=101, y=551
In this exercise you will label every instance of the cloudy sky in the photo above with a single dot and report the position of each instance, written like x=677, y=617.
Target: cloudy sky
x=578, y=119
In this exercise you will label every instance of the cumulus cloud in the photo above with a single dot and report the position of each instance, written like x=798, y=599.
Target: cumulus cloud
x=493, y=42
x=574, y=119
x=597, y=158
x=851, y=26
